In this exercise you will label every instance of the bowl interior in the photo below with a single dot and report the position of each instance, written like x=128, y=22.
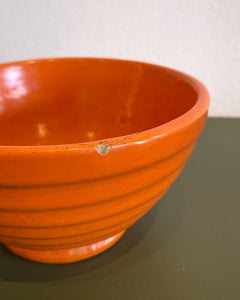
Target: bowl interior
x=66, y=101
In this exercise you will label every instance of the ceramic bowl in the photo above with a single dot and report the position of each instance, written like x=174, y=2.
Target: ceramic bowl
x=87, y=147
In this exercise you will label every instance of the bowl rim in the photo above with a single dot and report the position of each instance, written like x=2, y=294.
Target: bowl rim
x=195, y=112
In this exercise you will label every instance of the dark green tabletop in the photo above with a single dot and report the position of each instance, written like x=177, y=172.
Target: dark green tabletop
x=186, y=247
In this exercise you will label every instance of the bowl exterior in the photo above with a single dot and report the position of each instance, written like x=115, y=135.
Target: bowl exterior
x=110, y=193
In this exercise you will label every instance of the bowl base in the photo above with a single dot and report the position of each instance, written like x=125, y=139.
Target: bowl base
x=66, y=255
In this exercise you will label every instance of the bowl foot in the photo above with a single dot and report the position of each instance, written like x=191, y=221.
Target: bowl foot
x=66, y=255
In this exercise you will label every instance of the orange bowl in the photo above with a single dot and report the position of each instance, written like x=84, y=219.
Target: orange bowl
x=87, y=147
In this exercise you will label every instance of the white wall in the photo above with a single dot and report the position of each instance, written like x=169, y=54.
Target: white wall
x=200, y=37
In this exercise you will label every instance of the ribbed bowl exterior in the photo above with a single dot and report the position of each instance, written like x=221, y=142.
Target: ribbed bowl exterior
x=68, y=198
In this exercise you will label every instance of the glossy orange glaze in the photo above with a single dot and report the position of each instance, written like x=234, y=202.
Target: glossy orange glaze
x=88, y=146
